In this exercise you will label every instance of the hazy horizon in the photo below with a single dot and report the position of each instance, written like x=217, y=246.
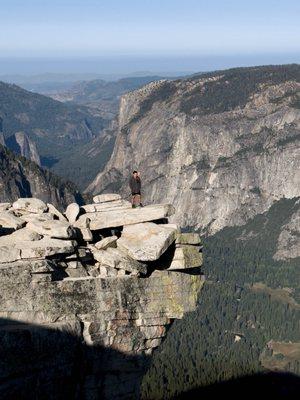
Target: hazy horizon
x=120, y=66
x=117, y=37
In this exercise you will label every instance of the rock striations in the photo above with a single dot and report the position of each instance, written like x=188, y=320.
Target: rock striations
x=221, y=147
x=106, y=274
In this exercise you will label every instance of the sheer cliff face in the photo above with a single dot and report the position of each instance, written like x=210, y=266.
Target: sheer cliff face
x=22, y=178
x=21, y=144
x=221, y=147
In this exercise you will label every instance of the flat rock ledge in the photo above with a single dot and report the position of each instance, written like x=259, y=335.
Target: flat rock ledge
x=125, y=215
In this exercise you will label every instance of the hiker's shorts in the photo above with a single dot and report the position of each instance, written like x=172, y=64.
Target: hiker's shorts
x=134, y=194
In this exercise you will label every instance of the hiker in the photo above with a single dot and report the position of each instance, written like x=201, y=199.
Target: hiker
x=135, y=187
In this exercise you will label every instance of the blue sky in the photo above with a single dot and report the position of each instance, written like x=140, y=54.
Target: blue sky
x=144, y=28
x=90, y=27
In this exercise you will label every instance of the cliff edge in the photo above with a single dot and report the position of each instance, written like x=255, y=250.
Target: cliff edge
x=89, y=294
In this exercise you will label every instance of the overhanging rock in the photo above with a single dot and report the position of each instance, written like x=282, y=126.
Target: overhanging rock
x=90, y=298
x=147, y=241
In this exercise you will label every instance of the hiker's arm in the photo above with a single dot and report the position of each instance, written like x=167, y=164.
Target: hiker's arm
x=131, y=184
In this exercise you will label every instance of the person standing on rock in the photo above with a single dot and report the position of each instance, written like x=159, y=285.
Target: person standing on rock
x=135, y=187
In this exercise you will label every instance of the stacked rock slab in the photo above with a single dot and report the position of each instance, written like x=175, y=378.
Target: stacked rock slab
x=187, y=252
x=90, y=311
x=146, y=241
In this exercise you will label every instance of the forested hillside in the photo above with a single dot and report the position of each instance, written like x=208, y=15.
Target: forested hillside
x=46, y=121
x=58, y=130
x=247, y=320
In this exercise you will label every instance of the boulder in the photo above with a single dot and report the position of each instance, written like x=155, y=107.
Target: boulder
x=40, y=266
x=30, y=204
x=103, y=198
x=73, y=263
x=75, y=269
x=173, y=226
x=54, y=211
x=76, y=273
x=84, y=254
x=9, y=254
x=108, y=206
x=72, y=212
x=110, y=241
x=53, y=228
x=110, y=272
x=10, y=221
x=146, y=241
x=23, y=234
x=4, y=206
x=116, y=258
x=86, y=234
x=37, y=217
x=112, y=219
x=103, y=271
x=186, y=257
x=188, y=238
x=93, y=270
x=85, y=222
x=45, y=247
x=99, y=270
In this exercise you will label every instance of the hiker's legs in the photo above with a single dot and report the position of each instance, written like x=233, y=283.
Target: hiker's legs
x=136, y=200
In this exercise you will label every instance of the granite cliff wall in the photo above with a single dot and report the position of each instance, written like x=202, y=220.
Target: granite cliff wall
x=221, y=147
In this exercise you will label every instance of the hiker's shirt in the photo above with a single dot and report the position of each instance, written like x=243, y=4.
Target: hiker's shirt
x=135, y=185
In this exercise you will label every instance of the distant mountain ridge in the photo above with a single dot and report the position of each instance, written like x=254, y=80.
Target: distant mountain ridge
x=44, y=119
x=56, y=129
x=102, y=95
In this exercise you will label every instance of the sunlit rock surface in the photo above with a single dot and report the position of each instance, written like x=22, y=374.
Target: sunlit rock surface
x=221, y=147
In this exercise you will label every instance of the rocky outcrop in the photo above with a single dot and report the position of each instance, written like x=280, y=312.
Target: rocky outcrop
x=108, y=301
x=21, y=144
x=288, y=243
x=23, y=178
x=221, y=147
